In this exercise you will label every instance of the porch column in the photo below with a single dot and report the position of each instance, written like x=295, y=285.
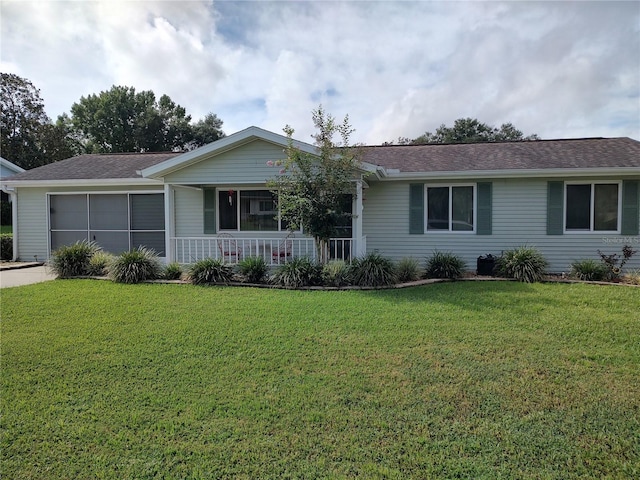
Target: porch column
x=358, y=247
x=169, y=223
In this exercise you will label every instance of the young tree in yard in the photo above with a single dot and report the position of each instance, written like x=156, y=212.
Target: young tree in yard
x=311, y=188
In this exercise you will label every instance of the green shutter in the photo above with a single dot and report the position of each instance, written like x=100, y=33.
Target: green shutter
x=485, y=205
x=416, y=208
x=630, y=207
x=555, y=208
x=209, y=210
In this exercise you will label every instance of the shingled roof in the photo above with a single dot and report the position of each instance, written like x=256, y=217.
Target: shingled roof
x=96, y=166
x=529, y=155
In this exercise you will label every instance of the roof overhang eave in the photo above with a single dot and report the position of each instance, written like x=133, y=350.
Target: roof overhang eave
x=516, y=173
x=89, y=182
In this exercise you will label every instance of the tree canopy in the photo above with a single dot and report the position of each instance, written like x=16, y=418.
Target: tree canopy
x=311, y=188
x=469, y=130
x=28, y=138
x=123, y=120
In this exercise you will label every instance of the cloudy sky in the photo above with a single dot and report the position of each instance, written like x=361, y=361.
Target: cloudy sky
x=558, y=69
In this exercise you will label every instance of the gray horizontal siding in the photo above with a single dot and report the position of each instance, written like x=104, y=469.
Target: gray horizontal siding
x=242, y=165
x=519, y=218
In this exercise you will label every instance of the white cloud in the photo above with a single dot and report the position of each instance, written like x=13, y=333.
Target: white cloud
x=397, y=68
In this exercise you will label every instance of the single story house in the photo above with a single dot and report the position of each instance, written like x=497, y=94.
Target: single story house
x=568, y=198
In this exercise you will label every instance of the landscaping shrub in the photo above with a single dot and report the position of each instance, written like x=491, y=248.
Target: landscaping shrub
x=99, y=264
x=444, y=265
x=210, y=271
x=299, y=272
x=73, y=260
x=588, y=270
x=335, y=274
x=632, y=277
x=6, y=246
x=135, y=266
x=372, y=270
x=172, y=271
x=614, y=263
x=254, y=269
x=525, y=264
x=407, y=270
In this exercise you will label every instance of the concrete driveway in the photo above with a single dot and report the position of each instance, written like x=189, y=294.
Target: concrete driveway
x=16, y=276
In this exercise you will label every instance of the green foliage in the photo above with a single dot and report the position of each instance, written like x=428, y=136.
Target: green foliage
x=172, y=271
x=614, y=263
x=525, y=264
x=73, y=260
x=123, y=120
x=372, y=270
x=588, y=270
x=299, y=272
x=99, y=264
x=407, y=270
x=210, y=271
x=254, y=269
x=28, y=138
x=336, y=273
x=469, y=130
x=135, y=266
x=6, y=246
x=6, y=213
x=311, y=189
x=445, y=265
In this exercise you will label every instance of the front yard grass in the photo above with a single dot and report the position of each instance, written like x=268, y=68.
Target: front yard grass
x=457, y=380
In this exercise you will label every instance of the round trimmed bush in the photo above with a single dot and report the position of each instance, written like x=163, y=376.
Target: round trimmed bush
x=99, y=264
x=172, y=271
x=135, y=266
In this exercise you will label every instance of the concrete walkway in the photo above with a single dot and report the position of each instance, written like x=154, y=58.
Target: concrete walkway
x=16, y=276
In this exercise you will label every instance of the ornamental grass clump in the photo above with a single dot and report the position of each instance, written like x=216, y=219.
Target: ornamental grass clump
x=210, y=271
x=336, y=274
x=253, y=269
x=524, y=264
x=444, y=265
x=373, y=270
x=73, y=260
x=135, y=266
x=299, y=272
x=588, y=270
x=99, y=264
x=172, y=271
x=407, y=270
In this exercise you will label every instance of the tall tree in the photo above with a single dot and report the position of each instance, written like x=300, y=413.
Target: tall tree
x=123, y=120
x=207, y=130
x=311, y=188
x=469, y=130
x=28, y=138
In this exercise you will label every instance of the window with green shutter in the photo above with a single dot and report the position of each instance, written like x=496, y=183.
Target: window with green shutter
x=416, y=208
x=485, y=208
x=630, y=207
x=209, y=210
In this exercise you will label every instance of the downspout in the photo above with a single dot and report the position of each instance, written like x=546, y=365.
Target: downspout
x=14, y=219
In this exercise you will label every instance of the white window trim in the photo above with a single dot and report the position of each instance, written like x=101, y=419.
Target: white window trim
x=237, y=230
x=450, y=187
x=592, y=183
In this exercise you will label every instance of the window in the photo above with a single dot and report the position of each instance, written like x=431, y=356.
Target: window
x=451, y=208
x=248, y=210
x=592, y=207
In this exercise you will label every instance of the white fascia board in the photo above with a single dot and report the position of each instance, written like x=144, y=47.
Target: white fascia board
x=219, y=146
x=533, y=173
x=81, y=183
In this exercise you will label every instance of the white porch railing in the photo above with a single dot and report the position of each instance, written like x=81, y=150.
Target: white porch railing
x=275, y=251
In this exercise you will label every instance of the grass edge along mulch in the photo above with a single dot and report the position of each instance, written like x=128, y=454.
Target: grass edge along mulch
x=452, y=380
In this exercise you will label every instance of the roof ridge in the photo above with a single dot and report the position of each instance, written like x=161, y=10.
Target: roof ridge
x=500, y=142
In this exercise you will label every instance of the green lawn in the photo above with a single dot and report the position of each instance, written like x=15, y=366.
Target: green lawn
x=458, y=380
